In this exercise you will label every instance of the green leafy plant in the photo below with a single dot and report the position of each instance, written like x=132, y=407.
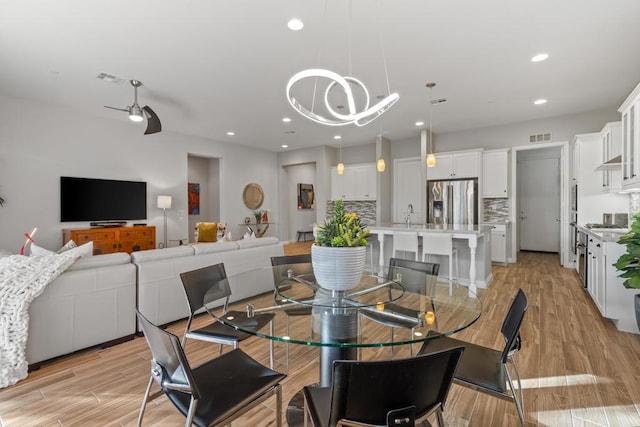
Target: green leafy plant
x=1, y=201
x=257, y=215
x=629, y=262
x=342, y=229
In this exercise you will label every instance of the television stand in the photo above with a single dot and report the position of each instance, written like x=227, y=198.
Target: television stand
x=108, y=223
x=111, y=239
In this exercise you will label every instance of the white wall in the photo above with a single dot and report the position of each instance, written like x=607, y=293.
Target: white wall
x=40, y=143
x=562, y=128
x=298, y=219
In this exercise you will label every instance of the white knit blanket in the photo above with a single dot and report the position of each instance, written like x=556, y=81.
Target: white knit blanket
x=22, y=279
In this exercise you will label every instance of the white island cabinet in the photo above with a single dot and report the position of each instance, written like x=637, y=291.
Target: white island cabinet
x=472, y=242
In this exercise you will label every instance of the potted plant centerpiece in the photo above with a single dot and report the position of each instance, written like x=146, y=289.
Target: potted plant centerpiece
x=629, y=262
x=339, y=252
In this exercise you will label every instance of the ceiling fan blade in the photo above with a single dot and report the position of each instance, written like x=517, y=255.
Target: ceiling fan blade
x=114, y=108
x=153, y=122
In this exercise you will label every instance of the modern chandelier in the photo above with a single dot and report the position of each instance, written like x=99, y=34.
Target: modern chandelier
x=431, y=157
x=328, y=81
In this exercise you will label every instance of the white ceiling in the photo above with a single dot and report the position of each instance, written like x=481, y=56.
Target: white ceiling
x=213, y=66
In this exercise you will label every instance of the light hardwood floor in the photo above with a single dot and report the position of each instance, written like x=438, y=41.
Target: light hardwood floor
x=578, y=369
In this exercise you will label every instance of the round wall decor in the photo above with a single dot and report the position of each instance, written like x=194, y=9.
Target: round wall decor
x=253, y=195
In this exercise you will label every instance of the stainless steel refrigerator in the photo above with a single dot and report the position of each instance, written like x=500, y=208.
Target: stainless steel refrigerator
x=452, y=202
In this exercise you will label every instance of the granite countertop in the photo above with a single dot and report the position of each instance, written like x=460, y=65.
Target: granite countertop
x=450, y=228
x=605, y=234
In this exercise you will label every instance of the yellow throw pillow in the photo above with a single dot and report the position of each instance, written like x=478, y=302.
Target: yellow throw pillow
x=207, y=232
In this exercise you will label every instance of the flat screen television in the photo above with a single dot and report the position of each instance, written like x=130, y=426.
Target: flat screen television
x=88, y=199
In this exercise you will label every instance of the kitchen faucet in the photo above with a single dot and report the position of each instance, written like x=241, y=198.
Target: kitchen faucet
x=408, y=217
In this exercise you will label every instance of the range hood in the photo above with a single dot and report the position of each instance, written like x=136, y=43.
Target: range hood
x=614, y=163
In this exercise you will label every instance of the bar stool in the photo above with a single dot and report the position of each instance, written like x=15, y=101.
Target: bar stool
x=440, y=244
x=406, y=241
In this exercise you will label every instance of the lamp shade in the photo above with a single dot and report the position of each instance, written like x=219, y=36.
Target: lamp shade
x=164, y=202
x=340, y=168
x=431, y=160
x=380, y=165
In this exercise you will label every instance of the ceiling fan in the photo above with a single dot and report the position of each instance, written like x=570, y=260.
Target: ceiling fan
x=137, y=113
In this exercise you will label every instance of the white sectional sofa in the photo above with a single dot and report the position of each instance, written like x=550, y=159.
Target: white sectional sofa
x=160, y=294
x=91, y=303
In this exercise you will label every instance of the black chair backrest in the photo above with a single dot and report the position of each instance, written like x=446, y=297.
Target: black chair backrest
x=365, y=391
x=413, y=274
x=210, y=281
x=300, y=265
x=169, y=365
x=511, y=325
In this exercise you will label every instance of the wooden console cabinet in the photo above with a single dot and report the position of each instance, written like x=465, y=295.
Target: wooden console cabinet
x=107, y=240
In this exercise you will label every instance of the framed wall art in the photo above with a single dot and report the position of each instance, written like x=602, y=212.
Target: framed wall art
x=305, y=196
x=194, y=198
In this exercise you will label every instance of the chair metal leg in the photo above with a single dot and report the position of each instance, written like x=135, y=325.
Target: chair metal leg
x=144, y=401
x=192, y=412
x=520, y=392
x=278, y=405
x=440, y=415
x=516, y=400
x=271, y=345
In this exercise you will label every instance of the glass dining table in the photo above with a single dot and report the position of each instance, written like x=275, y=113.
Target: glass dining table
x=420, y=306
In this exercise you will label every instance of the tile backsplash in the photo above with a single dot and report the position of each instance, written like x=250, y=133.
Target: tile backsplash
x=496, y=210
x=365, y=209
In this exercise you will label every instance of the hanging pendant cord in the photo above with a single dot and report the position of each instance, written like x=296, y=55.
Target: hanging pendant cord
x=384, y=56
x=320, y=51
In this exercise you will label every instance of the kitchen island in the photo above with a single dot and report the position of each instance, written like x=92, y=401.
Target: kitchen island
x=472, y=241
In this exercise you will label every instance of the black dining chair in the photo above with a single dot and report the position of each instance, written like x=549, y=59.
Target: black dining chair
x=383, y=393
x=213, y=393
x=485, y=369
x=298, y=266
x=211, y=282
x=415, y=276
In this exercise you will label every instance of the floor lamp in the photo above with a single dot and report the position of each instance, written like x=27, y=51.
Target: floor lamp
x=164, y=203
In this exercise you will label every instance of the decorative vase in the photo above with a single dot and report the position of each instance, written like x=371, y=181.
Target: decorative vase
x=338, y=269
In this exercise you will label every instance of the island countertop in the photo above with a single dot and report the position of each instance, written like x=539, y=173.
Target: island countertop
x=475, y=229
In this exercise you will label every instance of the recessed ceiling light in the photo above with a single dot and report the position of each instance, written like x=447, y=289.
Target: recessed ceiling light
x=286, y=119
x=540, y=57
x=337, y=137
x=540, y=101
x=419, y=123
x=295, y=24
x=230, y=133
x=284, y=146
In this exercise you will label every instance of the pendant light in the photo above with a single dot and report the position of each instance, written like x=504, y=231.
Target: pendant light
x=358, y=113
x=431, y=157
x=340, y=166
x=380, y=164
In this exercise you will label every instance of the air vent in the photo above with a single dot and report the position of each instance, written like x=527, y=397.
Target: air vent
x=541, y=137
x=439, y=101
x=110, y=78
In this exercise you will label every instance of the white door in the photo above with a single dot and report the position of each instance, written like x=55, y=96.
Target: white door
x=539, y=204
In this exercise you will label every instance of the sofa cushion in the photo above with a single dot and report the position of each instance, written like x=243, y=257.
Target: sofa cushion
x=4, y=253
x=155, y=254
x=207, y=231
x=252, y=243
x=208, y=248
x=101, y=261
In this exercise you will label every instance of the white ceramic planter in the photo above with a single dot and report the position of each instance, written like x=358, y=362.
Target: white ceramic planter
x=338, y=269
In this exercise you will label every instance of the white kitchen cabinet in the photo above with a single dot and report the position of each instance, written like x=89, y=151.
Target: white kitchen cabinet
x=358, y=182
x=611, y=173
x=596, y=284
x=630, y=110
x=407, y=189
x=499, y=241
x=455, y=166
x=495, y=176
